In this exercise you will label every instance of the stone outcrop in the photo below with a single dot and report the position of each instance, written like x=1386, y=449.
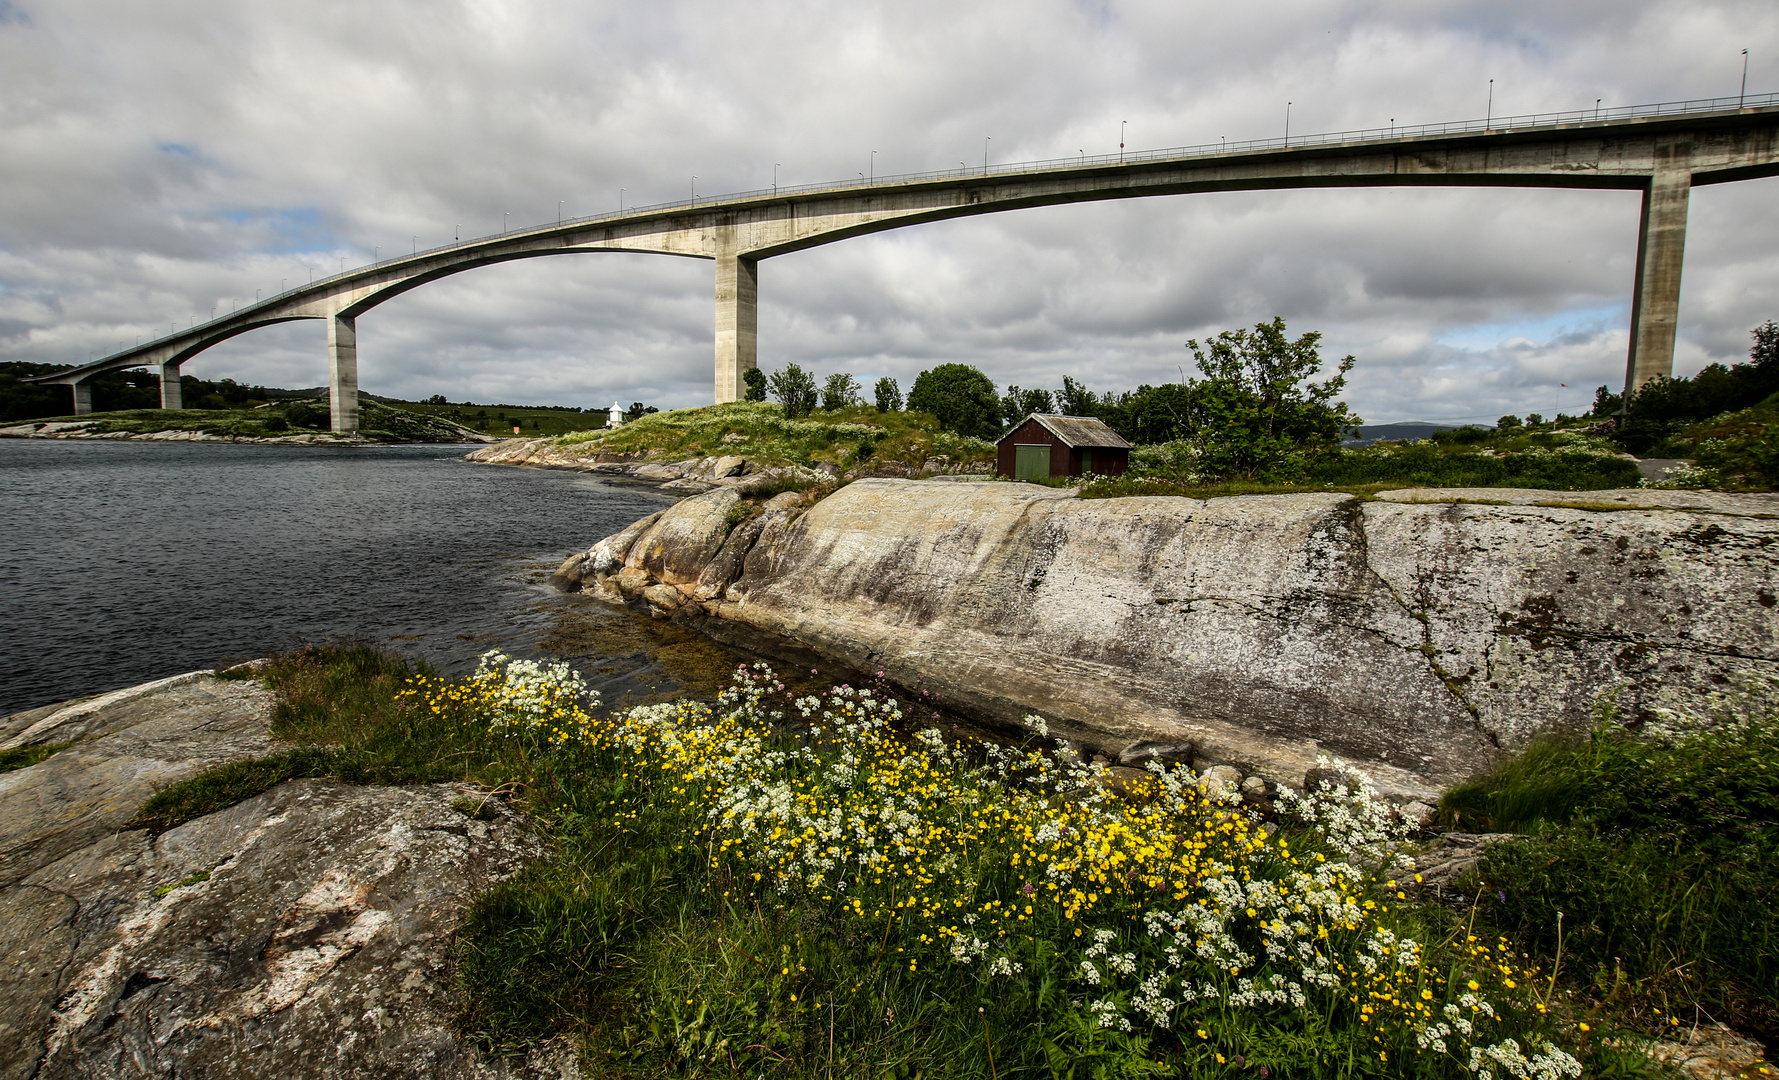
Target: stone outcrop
x=303, y=933
x=691, y=476
x=695, y=475
x=1422, y=634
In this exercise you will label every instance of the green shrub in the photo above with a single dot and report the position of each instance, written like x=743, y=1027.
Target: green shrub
x=962, y=398
x=1658, y=851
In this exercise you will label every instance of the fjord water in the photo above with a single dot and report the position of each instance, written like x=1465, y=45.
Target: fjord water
x=124, y=562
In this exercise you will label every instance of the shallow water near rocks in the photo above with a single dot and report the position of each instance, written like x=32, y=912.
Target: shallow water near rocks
x=125, y=562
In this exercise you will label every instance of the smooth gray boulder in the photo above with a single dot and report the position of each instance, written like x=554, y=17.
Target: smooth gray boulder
x=134, y=742
x=302, y=934
x=1421, y=636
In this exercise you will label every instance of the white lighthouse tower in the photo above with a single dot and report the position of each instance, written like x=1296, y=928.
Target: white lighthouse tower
x=617, y=416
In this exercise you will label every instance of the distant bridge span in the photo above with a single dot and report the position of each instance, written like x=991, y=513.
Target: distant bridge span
x=1661, y=150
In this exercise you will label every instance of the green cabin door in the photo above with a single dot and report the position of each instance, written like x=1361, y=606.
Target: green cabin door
x=1031, y=462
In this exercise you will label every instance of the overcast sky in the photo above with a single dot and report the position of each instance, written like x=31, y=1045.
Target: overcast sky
x=161, y=160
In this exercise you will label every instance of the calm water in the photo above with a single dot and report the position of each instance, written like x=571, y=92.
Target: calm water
x=127, y=562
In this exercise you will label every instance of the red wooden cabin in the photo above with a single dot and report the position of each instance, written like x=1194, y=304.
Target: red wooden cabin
x=1044, y=445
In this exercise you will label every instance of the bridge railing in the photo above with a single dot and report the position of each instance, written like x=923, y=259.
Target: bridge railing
x=1386, y=133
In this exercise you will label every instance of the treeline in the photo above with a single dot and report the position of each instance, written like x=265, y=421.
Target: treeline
x=1663, y=406
x=1256, y=377
x=114, y=391
x=1255, y=410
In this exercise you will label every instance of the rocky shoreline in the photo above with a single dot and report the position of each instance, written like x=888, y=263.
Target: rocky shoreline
x=1420, y=635
x=80, y=429
x=302, y=933
x=686, y=477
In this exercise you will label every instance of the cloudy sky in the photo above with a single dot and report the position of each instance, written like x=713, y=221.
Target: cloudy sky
x=159, y=161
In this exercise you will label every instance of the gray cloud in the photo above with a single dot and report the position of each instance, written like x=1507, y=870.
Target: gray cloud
x=166, y=159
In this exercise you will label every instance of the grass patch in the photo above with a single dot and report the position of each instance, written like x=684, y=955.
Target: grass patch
x=23, y=757
x=773, y=887
x=344, y=707
x=846, y=439
x=1658, y=852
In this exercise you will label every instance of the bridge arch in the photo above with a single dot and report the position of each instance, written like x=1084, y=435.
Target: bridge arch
x=1662, y=151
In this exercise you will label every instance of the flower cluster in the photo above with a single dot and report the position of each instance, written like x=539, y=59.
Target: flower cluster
x=1169, y=905
x=518, y=697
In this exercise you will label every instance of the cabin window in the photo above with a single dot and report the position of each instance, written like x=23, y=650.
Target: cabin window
x=1031, y=461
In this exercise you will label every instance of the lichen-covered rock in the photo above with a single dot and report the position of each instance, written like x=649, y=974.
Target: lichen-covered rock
x=1420, y=636
x=135, y=742
x=676, y=548
x=302, y=934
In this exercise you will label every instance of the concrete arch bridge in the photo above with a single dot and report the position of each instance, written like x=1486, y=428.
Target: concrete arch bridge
x=1661, y=150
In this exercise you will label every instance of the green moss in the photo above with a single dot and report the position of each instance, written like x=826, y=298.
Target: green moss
x=23, y=757
x=201, y=875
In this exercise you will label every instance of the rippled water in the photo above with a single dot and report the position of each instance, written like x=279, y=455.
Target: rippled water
x=124, y=562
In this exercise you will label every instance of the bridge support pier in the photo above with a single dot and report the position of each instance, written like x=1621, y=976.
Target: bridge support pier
x=738, y=336
x=171, y=395
x=342, y=373
x=1655, y=303
x=83, y=397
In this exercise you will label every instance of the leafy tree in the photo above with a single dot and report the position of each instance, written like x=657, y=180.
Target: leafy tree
x=756, y=384
x=1150, y=414
x=437, y=399
x=795, y=390
x=1507, y=423
x=1255, y=412
x=1018, y=404
x=1534, y=419
x=840, y=391
x=636, y=411
x=889, y=395
x=1606, y=402
x=1663, y=405
x=1076, y=400
x=961, y=397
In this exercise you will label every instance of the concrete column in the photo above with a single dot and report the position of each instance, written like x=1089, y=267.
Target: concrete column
x=171, y=396
x=738, y=336
x=83, y=398
x=342, y=373
x=1655, y=305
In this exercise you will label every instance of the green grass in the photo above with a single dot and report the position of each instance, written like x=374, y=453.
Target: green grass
x=341, y=705
x=533, y=421
x=1658, y=854
x=846, y=438
x=1737, y=451
x=1558, y=461
x=23, y=757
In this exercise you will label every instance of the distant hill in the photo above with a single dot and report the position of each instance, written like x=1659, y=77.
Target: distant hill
x=1405, y=431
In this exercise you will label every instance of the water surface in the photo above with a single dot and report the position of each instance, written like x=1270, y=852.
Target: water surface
x=123, y=562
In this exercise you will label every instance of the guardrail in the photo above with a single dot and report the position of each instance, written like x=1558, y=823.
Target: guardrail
x=1389, y=133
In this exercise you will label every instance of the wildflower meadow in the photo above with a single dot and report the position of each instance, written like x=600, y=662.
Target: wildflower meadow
x=780, y=884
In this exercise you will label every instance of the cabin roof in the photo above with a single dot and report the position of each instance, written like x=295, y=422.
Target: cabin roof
x=1075, y=432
